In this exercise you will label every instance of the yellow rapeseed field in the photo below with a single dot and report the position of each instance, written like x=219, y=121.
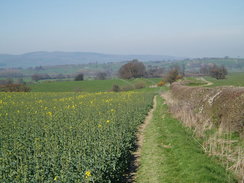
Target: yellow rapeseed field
x=68, y=137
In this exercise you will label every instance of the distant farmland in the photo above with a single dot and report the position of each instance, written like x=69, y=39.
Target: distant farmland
x=233, y=79
x=87, y=85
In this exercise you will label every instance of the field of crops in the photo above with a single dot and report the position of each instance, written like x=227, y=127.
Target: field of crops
x=88, y=85
x=68, y=137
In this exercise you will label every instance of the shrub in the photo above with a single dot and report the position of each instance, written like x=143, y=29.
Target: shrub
x=115, y=88
x=79, y=77
x=14, y=88
x=161, y=83
x=172, y=76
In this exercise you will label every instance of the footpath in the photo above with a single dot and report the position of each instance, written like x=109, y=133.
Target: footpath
x=168, y=153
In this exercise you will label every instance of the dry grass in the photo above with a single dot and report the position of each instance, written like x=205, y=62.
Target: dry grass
x=215, y=114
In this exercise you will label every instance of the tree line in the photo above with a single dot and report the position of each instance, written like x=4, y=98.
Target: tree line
x=136, y=69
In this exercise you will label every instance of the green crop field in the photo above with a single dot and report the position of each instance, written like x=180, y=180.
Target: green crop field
x=232, y=79
x=71, y=86
x=87, y=85
x=68, y=137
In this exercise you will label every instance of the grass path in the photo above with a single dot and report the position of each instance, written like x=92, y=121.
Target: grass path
x=169, y=154
x=140, y=138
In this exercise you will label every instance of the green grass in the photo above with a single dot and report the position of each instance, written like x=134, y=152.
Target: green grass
x=70, y=86
x=156, y=90
x=193, y=81
x=148, y=81
x=170, y=154
x=233, y=79
x=86, y=85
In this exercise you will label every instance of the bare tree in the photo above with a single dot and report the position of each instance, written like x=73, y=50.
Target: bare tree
x=218, y=72
x=172, y=76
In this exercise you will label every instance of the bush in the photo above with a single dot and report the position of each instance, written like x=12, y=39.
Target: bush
x=161, y=83
x=115, y=88
x=14, y=88
x=79, y=77
x=172, y=76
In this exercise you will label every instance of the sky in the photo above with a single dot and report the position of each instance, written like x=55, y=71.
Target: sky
x=186, y=28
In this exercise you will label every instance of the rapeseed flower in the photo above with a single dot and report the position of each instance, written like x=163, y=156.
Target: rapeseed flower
x=87, y=174
x=55, y=178
x=49, y=114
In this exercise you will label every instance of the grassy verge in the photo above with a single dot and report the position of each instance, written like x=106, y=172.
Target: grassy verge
x=170, y=154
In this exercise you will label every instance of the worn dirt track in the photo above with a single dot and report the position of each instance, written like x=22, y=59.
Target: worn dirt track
x=140, y=138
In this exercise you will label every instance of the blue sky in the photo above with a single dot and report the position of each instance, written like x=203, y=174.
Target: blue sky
x=193, y=28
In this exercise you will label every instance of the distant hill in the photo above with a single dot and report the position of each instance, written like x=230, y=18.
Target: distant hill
x=61, y=58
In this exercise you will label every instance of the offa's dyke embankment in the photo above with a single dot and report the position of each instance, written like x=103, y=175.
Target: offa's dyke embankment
x=217, y=117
